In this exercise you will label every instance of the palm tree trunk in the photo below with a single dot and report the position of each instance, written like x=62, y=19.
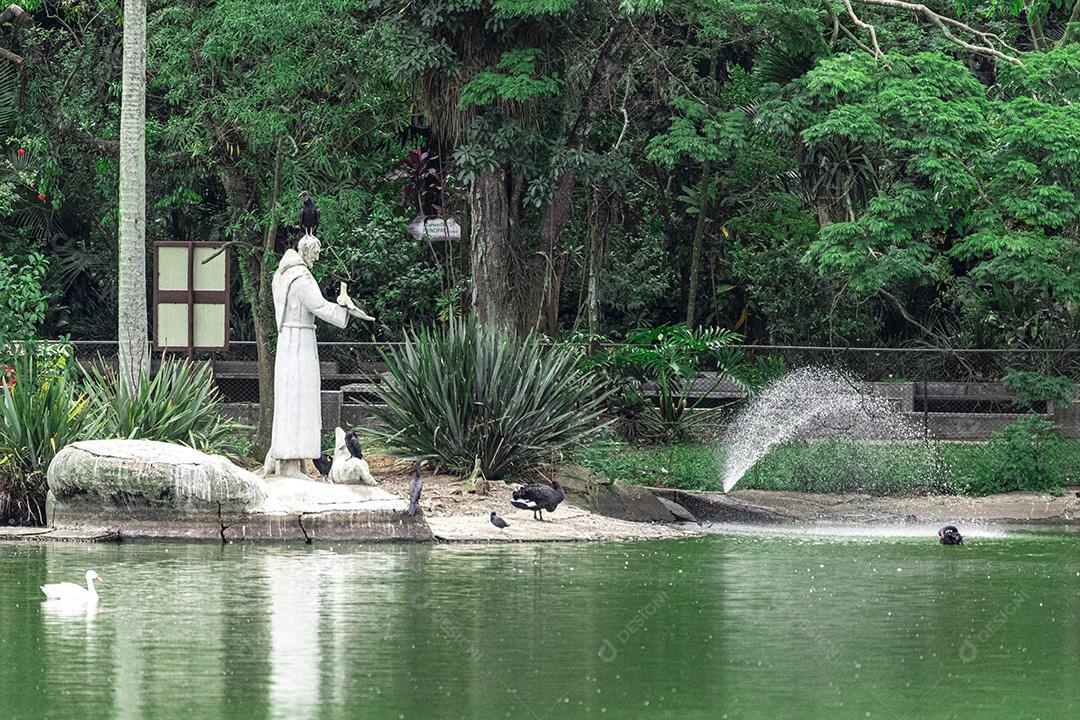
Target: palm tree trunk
x=132, y=331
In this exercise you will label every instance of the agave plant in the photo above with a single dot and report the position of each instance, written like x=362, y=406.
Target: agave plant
x=463, y=395
x=180, y=403
x=41, y=411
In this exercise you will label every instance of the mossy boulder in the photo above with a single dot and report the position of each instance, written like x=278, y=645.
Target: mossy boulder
x=99, y=479
x=611, y=499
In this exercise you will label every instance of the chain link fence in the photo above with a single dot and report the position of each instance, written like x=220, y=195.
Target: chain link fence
x=954, y=394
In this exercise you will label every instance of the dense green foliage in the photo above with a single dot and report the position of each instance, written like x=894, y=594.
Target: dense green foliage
x=658, y=379
x=179, y=403
x=467, y=398
x=46, y=402
x=42, y=409
x=761, y=166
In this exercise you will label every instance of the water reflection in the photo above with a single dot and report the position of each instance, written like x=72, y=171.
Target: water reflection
x=752, y=627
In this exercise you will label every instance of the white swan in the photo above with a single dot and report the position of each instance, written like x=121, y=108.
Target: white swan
x=70, y=592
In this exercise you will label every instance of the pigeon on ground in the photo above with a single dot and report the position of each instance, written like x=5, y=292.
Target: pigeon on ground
x=498, y=521
x=538, y=498
x=414, y=491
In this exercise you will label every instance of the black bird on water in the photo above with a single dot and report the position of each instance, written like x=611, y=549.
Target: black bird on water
x=949, y=535
x=322, y=464
x=498, y=521
x=353, y=443
x=414, y=491
x=538, y=498
x=309, y=214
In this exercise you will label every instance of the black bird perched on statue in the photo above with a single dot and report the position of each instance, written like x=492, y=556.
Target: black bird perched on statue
x=949, y=535
x=353, y=443
x=414, y=491
x=309, y=214
x=498, y=521
x=538, y=498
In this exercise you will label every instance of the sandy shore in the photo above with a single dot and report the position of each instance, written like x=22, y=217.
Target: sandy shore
x=456, y=512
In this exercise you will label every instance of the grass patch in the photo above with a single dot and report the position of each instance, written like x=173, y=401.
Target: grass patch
x=1025, y=456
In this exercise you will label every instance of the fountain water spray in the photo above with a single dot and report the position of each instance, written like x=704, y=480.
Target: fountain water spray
x=811, y=403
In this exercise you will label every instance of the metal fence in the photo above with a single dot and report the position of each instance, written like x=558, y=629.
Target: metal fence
x=955, y=393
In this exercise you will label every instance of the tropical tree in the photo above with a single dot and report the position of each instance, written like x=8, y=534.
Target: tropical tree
x=276, y=98
x=132, y=330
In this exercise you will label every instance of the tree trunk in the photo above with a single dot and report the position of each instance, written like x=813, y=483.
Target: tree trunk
x=599, y=230
x=1072, y=28
x=695, y=250
x=1035, y=27
x=262, y=311
x=557, y=213
x=493, y=297
x=132, y=331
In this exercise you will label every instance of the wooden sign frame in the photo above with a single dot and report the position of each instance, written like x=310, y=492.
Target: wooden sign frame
x=191, y=297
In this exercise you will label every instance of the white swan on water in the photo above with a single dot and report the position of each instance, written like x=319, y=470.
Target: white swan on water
x=70, y=592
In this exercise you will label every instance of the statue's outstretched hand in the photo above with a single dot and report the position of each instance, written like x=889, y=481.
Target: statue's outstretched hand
x=345, y=301
x=358, y=313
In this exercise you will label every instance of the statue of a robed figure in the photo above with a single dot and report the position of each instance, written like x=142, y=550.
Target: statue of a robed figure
x=298, y=301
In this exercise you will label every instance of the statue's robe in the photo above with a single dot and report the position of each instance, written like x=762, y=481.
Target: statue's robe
x=297, y=384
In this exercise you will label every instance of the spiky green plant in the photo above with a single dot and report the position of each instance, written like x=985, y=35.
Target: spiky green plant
x=41, y=411
x=180, y=403
x=461, y=393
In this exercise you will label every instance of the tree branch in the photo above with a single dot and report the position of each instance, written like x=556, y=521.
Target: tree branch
x=8, y=55
x=944, y=22
x=865, y=26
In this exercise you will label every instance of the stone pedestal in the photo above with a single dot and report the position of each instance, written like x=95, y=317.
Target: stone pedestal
x=145, y=490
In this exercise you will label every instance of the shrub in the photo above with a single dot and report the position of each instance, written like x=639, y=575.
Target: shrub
x=653, y=397
x=179, y=403
x=1026, y=455
x=1029, y=388
x=461, y=393
x=41, y=411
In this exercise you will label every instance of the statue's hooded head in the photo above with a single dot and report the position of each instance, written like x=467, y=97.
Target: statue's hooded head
x=309, y=249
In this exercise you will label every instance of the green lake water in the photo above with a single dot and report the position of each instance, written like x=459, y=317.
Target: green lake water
x=717, y=627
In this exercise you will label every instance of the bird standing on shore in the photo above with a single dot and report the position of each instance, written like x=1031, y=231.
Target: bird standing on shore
x=309, y=214
x=538, y=498
x=414, y=491
x=498, y=521
x=323, y=463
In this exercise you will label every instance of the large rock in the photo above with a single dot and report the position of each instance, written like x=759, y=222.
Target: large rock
x=145, y=490
x=615, y=500
x=100, y=480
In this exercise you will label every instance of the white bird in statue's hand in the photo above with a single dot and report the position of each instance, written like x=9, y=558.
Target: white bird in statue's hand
x=346, y=302
x=70, y=592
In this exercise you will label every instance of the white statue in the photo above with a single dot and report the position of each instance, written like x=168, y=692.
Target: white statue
x=297, y=383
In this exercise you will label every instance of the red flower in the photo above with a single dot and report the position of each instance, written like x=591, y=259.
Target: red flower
x=22, y=151
x=8, y=374
x=41, y=197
